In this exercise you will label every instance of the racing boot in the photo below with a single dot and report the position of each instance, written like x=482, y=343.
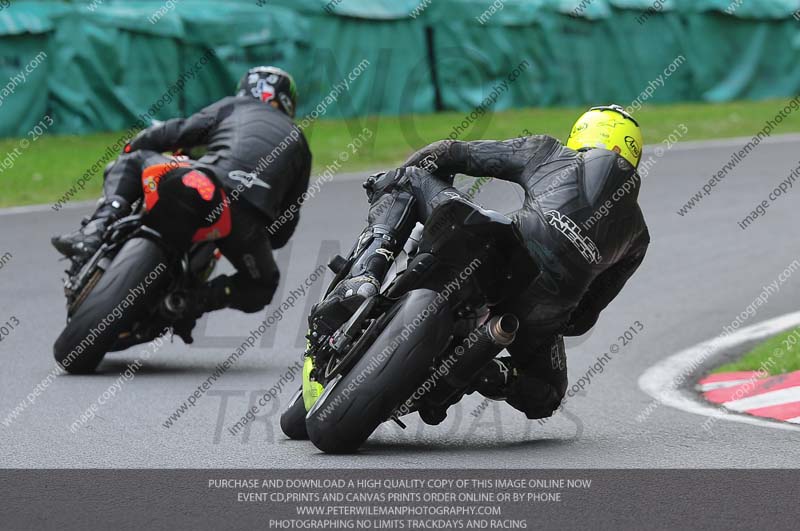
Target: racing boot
x=85, y=241
x=390, y=222
x=493, y=382
x=183, y=309
x=526, y=392
x=378, y=246
x=495, y=379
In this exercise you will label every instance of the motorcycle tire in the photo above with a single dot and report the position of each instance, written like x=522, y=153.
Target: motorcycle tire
x=353, y=405
x=293, y=420
x=82, y=344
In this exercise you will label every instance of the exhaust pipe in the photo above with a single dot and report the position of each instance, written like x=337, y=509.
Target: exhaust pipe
x=503, y=329
x=482, y=345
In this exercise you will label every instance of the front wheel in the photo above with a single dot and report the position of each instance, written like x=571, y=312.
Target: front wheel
x=121, y=296
x=355, y=404
x=293, y=420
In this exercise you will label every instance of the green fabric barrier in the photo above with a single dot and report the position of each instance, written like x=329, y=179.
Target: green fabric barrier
x=108, y=64
x=395, y=80
x=474, y=62
x=116, y=67
x=520, y=12
x=364, y=9
x=109, y=73
x=241, y=36
x=320, y=51
x=570, y=62
x=757, y=9
x=26, y=64
x=759, y=59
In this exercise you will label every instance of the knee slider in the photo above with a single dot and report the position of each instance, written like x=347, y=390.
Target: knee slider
x=534, y=397
x=261, y=293
x=256, y=298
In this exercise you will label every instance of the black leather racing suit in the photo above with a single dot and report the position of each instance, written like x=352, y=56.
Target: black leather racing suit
x=262, y=161
x=580, y=221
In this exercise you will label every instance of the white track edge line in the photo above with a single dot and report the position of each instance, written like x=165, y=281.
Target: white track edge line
x=31, y=209
x=657, y=380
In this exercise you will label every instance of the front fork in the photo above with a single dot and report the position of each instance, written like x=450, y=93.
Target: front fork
x=342, y=267
x=312, y=389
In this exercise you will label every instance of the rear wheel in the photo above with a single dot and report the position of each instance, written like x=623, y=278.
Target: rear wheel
x=120, y=297
x=355, y=404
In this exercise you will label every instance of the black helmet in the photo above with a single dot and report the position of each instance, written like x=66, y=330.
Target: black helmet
x=269, y=83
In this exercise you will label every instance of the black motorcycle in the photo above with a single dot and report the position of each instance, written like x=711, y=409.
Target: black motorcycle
x=418, y=344
x=127, y=293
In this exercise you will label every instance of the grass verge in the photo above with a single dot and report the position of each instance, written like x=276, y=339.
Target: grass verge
x=45, y=170
x=778, y=355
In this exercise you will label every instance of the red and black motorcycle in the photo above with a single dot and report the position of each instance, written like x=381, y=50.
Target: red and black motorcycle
x=133, y=287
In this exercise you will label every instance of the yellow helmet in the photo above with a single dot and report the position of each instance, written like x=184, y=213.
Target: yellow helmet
x=608, y=127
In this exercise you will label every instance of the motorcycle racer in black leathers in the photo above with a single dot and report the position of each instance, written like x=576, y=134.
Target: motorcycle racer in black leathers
x=580, y=221
x=257, y=164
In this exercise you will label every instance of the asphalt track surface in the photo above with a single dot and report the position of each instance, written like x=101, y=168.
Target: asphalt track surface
x=700, y=272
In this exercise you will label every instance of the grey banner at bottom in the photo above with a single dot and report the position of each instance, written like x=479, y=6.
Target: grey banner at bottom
x=399, y=499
